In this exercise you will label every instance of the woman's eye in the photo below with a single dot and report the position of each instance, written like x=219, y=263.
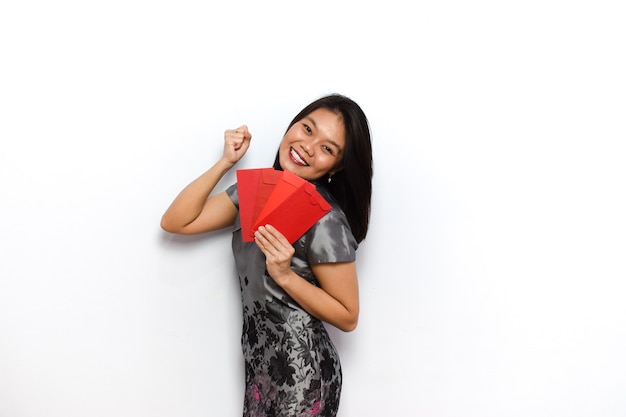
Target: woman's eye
x=307, y=128
x=328, y=149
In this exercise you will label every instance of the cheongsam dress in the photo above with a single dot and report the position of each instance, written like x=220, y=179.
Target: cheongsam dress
x=291, y=366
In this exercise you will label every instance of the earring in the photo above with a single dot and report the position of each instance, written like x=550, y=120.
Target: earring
x=330, y=178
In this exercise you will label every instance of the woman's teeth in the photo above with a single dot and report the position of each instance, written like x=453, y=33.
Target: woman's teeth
x=297, y=158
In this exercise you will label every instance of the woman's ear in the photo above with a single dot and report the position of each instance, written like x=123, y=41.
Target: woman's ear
x=335, y=170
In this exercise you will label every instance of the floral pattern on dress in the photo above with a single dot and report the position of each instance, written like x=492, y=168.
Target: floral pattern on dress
x=292, y=368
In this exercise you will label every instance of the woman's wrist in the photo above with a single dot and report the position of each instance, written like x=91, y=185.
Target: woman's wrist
x=224, y=165
x=287, y=279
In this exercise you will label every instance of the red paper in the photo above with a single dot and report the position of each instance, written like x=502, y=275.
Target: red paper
x=289, y=203
x=254, y=187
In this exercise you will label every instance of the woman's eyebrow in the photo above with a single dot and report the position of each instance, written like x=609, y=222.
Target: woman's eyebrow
x=310, y=119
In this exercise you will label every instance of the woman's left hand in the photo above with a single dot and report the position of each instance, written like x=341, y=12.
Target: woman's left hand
x=278, y=252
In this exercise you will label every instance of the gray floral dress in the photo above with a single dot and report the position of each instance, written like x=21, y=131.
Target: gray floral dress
x=291, y=366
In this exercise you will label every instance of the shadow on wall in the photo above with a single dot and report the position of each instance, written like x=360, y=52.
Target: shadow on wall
x=184, y=242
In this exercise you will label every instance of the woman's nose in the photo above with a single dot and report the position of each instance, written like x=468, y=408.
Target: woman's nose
x=307, y=148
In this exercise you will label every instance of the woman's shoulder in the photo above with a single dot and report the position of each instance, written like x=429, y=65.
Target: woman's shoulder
x=330, y=239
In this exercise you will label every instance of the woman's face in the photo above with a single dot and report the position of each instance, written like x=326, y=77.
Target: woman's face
x=314, y=146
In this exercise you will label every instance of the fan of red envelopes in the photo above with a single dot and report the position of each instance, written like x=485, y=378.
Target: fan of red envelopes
x=279, y=198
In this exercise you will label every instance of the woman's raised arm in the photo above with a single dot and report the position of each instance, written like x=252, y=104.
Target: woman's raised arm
x=195, y=210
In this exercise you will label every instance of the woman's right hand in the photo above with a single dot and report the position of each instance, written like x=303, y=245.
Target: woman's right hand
x=236, y=143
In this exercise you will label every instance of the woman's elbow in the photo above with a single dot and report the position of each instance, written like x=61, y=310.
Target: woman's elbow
x=169, y=226
x=350, y=327
x=349, y=324
x=165, y=225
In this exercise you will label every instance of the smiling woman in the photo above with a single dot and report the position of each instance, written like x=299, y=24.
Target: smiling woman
x=314, y=146
x=288, y=291
x=351, y=183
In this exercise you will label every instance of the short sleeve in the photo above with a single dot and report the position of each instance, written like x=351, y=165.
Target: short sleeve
x=233, y=194
x=330, y=240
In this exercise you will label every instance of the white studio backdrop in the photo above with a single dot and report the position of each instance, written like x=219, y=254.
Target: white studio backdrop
x=493, y=277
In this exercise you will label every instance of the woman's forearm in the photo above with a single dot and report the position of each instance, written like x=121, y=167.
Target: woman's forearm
x=191, y=201
x=320, y=304
x=194, y=210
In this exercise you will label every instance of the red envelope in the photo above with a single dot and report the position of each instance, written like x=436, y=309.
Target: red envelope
x=292, y=207
x=254, y=187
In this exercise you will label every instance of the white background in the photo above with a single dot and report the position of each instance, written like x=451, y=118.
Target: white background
x=493, y=277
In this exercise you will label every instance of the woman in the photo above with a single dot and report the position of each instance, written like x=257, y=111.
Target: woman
x=292, y=368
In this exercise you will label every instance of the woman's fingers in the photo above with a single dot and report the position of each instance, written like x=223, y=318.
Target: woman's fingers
x=236, y=143
x=277, y=250
x=238, y=136
x=273, y=236
x=243, y=131
x=273, y=243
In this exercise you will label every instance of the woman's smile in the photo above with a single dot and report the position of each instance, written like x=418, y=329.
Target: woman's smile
x=295, y=157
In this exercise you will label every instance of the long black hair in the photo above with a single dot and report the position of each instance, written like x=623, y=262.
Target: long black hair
x=351, y=186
